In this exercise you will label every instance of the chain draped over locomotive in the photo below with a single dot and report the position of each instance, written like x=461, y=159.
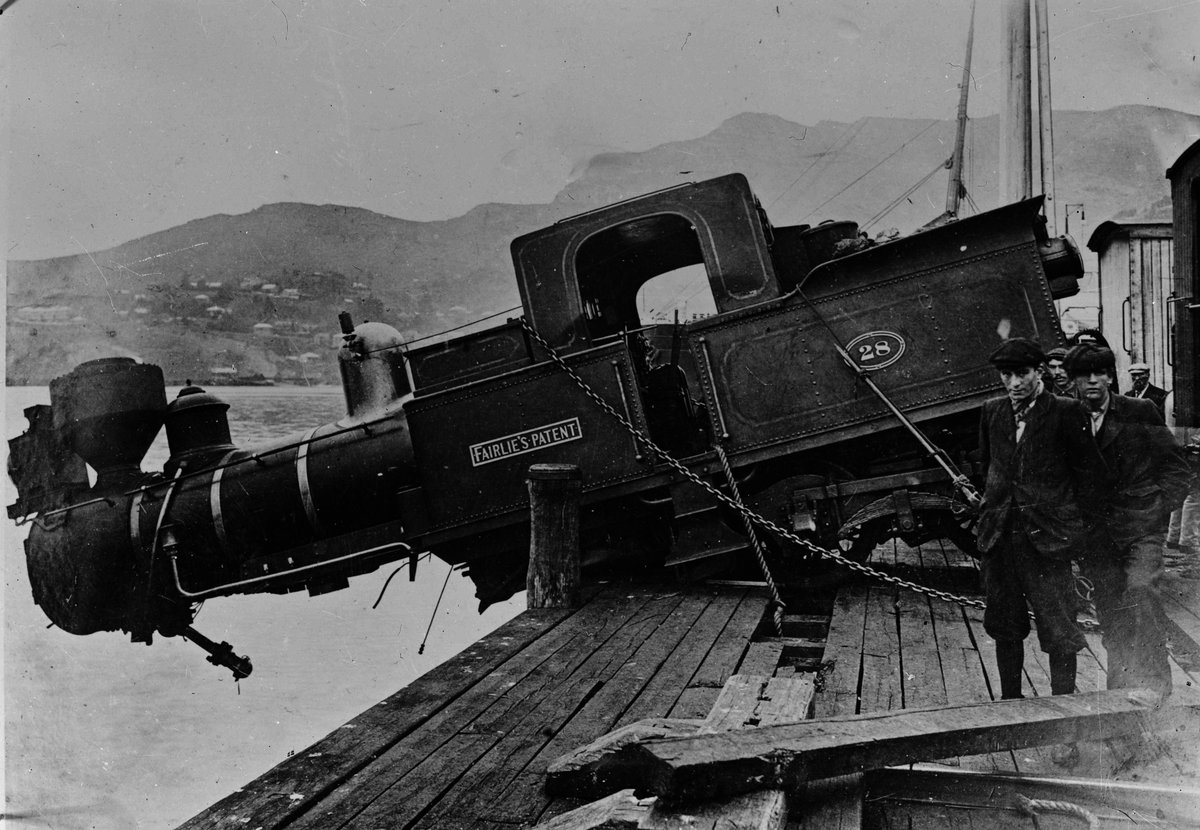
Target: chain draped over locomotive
x=821, y=345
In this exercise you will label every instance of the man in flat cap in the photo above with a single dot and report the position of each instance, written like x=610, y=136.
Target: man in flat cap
x=1057, y=380
x=1139, y=374
x=1038, y=455
x=1143, y=478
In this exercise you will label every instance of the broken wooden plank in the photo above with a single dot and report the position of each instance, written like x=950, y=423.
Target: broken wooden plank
x=1109, y=801
x=746, y=701
x=619, y=811
x=597, y=767
x=837, y=688
x=624, y=811
x=727, y=763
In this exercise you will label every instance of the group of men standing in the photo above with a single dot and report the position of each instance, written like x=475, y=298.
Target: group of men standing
x=1076, y=474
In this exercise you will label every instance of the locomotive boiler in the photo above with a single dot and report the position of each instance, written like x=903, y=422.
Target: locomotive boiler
x=835, y=388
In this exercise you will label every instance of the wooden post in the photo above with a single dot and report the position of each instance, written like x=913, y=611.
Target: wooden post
x=553, y=576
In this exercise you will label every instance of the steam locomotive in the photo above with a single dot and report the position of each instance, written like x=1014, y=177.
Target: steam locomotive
x=806, y=392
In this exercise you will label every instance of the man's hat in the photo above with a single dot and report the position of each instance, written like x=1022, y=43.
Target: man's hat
x=1089, y=336
x=1088, y=357
x=1057, y=353
x=1017, y=353
x=1139, y=367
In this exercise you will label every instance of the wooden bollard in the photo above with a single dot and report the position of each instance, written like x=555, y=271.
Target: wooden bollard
x=553, y=576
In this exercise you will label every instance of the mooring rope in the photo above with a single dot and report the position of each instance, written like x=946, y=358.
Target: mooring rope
x=759, y=553
x=1032, y=806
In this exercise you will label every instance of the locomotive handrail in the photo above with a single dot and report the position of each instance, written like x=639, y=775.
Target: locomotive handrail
x=737, y=505
x=257, y=457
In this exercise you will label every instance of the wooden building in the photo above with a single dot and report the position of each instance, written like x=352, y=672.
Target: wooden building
x=1134, y=286
x=1185, y=193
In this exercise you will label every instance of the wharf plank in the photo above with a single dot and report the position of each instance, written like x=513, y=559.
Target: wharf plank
x=468, y=760
x=721, y=660
x=509, y=784
x=727, y=763
x=882, y=687
x=518, y=794
x=964, y=668
x=921, y=677
x=837, y=687
x=267, y=800
x=662, y=693
x=762, y=657
x=470, y=720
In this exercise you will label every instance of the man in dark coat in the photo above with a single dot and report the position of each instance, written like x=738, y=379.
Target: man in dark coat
x=1038, y=454
x=1057, y=380
x=1139, y=374
x=1144, y=477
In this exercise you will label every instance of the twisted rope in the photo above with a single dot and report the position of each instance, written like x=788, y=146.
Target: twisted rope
x=759, y=553
x=1031, y=807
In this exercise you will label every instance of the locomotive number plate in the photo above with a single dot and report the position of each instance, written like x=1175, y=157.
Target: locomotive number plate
x=528, y=440
x=876, y=349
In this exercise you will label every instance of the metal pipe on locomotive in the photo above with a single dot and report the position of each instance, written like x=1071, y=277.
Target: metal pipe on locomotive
x=433, y=451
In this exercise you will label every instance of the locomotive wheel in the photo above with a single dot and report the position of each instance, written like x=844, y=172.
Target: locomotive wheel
x=816, y=573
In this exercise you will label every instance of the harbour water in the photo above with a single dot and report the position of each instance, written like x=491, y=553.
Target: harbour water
x=103, y=733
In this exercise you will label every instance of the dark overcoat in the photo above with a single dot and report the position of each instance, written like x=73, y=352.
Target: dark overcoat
x=1036, y=483
x=1144, y=475
x=1156, y=395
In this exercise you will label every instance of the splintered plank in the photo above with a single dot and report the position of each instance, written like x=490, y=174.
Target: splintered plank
x=721, y=661
x=837, y=688
x=881, y=684
x=268, y=800
x=470, y=726
x=524, y=798
x=770, y=757
x=448, y=773
x=509, y=785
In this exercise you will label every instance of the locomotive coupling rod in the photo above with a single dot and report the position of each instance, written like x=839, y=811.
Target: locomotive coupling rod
x=960, y=481
x=221, y=654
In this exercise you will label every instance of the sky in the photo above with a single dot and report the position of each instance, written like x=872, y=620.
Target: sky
x=125, y=118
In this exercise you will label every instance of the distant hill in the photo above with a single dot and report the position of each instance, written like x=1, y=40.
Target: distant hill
x=154, y=297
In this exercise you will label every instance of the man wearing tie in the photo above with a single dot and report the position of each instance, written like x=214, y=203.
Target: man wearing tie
x=1038, y=455
x=1143, y=478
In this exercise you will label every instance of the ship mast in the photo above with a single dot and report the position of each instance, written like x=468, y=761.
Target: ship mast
x=1045, y=114
x=1016, y=154
x=1016, y=114
x=954, y=189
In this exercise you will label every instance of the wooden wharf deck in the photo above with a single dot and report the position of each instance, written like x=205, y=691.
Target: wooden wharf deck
x=468, y=744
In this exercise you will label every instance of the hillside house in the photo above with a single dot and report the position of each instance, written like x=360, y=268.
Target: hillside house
x=263, y=330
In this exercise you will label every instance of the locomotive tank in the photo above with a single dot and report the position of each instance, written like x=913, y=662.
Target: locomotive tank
x=836, y=388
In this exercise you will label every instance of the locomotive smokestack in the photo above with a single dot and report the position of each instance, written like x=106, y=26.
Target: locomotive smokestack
x=110, y=410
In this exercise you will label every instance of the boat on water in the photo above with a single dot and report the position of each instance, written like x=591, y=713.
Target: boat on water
x=229, y=376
